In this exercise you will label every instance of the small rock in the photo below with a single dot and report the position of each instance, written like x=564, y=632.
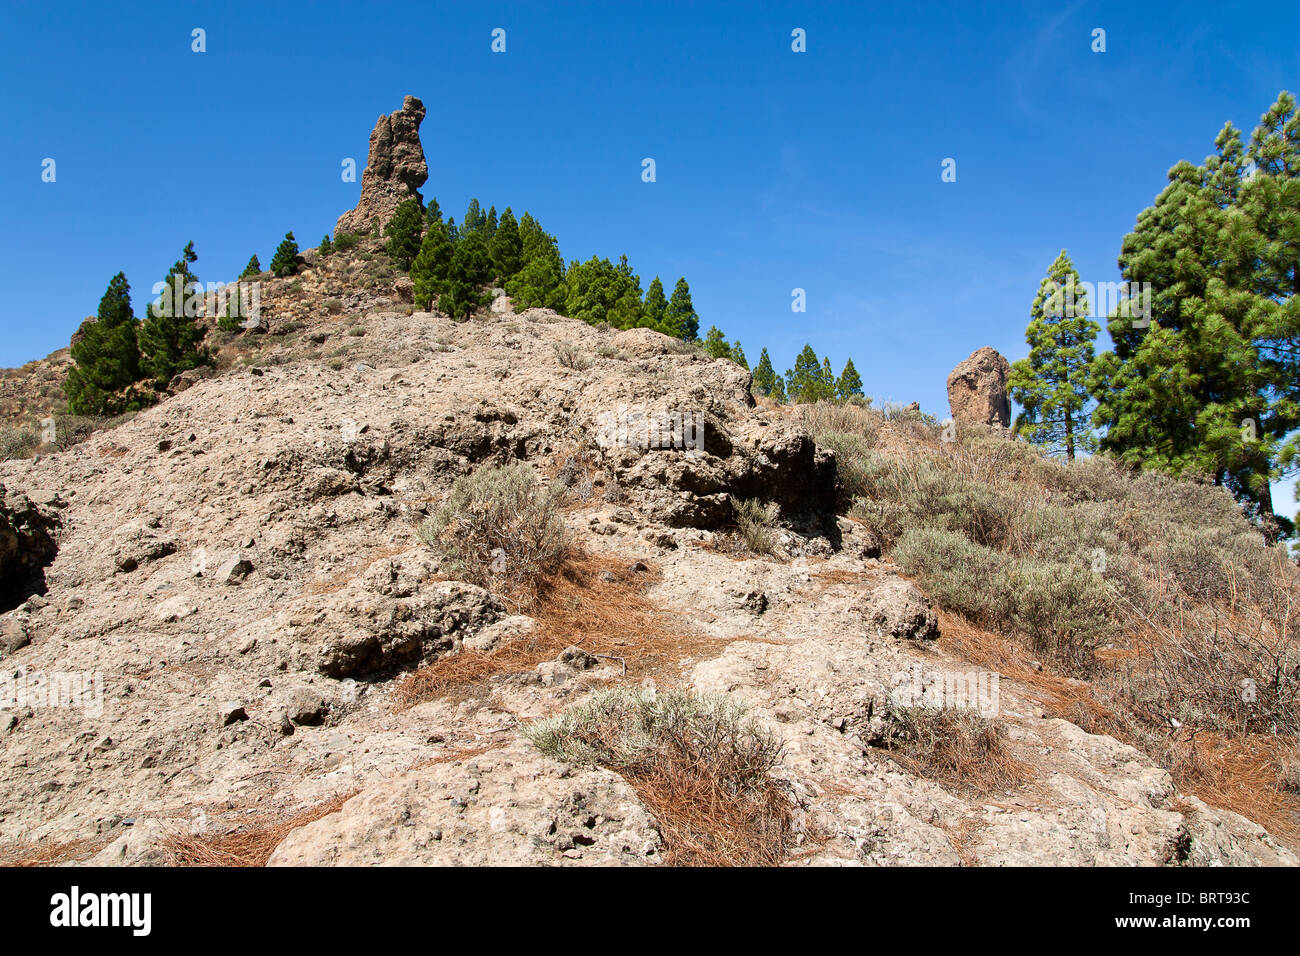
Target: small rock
x=232, y=712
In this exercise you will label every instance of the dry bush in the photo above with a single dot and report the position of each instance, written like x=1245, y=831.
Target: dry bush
x=570, y=356
x=698, y=763
x=251, y=845
x=954, y=746
x=500, y=529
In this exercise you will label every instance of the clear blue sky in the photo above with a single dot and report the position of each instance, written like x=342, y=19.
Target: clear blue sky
x=776, y=170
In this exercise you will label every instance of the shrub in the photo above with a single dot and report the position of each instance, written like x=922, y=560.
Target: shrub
x=500, y=529
x=698, y=762
x=345, y=241
x=571, y=357
x=755, y=521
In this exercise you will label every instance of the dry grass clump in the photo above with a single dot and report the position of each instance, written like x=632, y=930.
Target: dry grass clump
x=954, y=746
x=500, y=529
x=755, y=522
x=596, y=603
x=698, y=763
x=249, y=846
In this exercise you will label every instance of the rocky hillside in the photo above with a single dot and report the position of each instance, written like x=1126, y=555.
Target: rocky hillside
x=229, y=636
x=238, y=573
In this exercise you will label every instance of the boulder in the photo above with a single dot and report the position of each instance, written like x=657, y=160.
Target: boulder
x=897, y=608
x=977, y=389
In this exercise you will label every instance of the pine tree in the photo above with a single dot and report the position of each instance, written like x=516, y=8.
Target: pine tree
x=326, y=247
x=1207, y=381
x=715, y=343
x=432, y=266
x=1052, y=383
x=490, y=224
x=253, y=268
x=474, y=219
x=804, y=381
x=106, y=358
x=403, y=232
x=680, y=319
x=738, y=355
x=469, y=272
x=285, y=262
x=764, y=374
x=506, y=248
x=433, y=213
x=778, y=390
x=540, y=283
x=170, y=337
x=850, y=383
x=598, y=291
x=656, y=306
x=826, y=385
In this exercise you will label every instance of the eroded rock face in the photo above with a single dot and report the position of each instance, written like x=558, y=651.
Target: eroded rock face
x=395, y=169
x=26, y=546
x=977, y=389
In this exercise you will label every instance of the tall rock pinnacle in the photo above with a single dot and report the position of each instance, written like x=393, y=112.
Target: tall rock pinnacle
x=977, y=389
x=395, y=169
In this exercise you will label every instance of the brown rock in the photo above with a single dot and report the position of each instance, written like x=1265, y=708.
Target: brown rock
x=395, y=169
x=977, y=389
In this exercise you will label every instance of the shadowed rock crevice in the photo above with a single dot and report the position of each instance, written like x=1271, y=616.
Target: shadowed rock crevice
x=27, y=547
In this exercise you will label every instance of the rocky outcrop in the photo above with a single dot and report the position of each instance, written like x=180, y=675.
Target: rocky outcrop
x=977, y=389
x=395, y=169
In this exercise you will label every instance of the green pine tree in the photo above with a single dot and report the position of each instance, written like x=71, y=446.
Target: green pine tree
x=826, y=385
x=738, y=355
x=403, y=232
x=778, y=390
x=326, y=247
x=764, y=375
x=680, y=319
x=849, y=384
x=1051, y=384
x=656, y=306
x=715, y=343
x=432, y=266
x=506, y=248
x=1206, y=381
x=106, y=358
x=253, y=268
x=170, y=336
x=804, y=382
x=599, y=291
x=286, y=260
x=469, y=272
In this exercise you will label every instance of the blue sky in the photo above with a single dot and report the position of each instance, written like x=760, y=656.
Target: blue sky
x=775, y=170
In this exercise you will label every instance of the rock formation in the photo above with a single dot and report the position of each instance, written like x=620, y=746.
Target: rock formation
x=977, y=389
x=26, y=546
x=395, y=169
